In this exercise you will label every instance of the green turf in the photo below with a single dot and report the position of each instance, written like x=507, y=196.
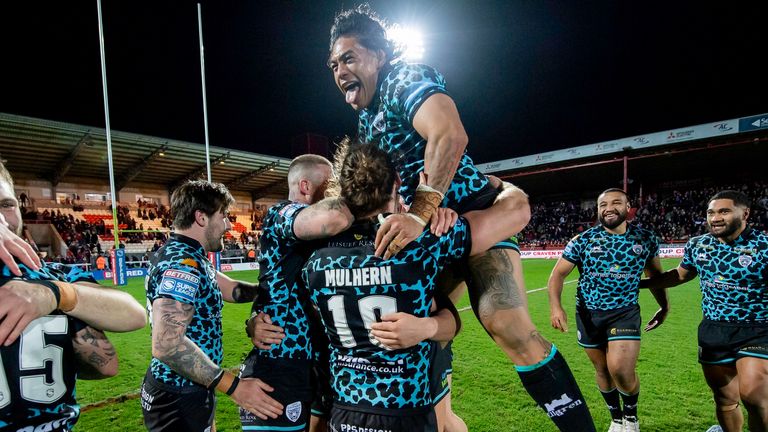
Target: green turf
x=487, y=392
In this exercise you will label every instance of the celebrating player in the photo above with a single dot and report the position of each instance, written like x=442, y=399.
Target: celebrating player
x=732, y=264
x=185, y=294
x=406, y=110
x=611, y=258
x=376, y=387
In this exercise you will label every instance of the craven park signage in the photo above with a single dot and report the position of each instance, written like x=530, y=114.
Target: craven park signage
x=672, y=136
x=666, y=251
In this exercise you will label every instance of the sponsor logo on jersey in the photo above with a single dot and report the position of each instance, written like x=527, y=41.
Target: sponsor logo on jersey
x=179, y=284
x=366, y=276
x=290, y=209
x=293, y=411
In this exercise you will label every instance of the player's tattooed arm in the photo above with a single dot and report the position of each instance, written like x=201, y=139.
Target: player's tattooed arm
x=96, y=356
x=171, y=346
x=325, y=218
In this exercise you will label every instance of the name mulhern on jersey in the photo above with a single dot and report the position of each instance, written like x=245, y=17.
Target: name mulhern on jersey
x=358, y=276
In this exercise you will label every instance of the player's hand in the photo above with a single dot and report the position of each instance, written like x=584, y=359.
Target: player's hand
x=251, y=394
x=657, y=319
x=442, y=221
x=11, y=246
x=20, y=303
x=401, y=330
x=559, y=319
x=395, y=232
x=265, y=334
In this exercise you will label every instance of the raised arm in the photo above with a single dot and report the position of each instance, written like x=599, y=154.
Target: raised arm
x=325, y=218
x=105, y=308
x=96, y=356
x=12, y=246
x=558, y=317
x=438, y=121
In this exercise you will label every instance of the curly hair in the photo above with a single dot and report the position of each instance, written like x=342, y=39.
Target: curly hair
x=198, y=195
x=365, y=176
x=365, y=25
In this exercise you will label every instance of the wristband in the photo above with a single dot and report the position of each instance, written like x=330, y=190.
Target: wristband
x=247, y=332
x=68, y=296
x=417, y=219
x=227, y=383
x=425, y=201
x=215, y=382
x=232, y=387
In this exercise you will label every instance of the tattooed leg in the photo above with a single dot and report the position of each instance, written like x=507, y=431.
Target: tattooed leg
x=497, y=294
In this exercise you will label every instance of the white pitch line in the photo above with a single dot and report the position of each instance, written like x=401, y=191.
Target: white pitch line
x=527, y=292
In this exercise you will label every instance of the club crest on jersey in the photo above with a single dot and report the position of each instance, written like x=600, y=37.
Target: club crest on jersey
x=358, y=237
x=637, y=249
x=378, y=122
x=745, y=260
x=293, y=411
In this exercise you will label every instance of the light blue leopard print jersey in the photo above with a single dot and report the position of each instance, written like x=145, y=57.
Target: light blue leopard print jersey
x=733, y=277
x=181, y=271
x=610, y=265
x=388, y=122
x=352, y=289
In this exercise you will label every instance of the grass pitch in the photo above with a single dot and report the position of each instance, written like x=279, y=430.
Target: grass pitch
x=487, y=392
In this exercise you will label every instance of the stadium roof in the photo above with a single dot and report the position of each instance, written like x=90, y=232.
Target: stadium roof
x=36, y=149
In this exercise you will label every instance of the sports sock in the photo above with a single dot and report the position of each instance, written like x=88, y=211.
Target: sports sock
x=630, y=405
x=552, y=385
x=612, y=399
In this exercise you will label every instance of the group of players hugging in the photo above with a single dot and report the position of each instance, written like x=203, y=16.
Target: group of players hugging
x=353, y=313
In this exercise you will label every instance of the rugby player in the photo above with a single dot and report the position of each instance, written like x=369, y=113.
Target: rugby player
x=285, y=360
x=376, y=386
x=611, y=258
x=184, y=298
x=50, y=335
x=405, y=108
x=732, y=264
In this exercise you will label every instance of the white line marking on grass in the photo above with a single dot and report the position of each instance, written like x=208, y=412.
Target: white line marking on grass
x=465, y=308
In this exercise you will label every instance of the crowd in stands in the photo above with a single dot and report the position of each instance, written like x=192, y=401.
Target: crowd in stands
x=676, y=215
x=83, y=237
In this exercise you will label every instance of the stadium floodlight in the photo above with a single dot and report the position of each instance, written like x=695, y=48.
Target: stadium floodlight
x=410, y=41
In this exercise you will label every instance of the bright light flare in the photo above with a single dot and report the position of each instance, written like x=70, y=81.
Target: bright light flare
x=409, y=39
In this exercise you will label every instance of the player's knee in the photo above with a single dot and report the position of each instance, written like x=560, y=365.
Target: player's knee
x=754, y=396
x=624, y=376
x=507, y=327
x=726, y=404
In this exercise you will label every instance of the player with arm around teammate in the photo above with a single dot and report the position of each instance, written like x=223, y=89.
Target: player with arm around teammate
x=406, y=110
x=611, y=258
x=732, y=264
x=376, y=387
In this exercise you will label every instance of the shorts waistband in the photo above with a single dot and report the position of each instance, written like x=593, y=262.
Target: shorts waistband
x=173, y=388
x=392, y=412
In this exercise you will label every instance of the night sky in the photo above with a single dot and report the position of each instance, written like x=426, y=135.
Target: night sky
x=527, y=76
